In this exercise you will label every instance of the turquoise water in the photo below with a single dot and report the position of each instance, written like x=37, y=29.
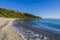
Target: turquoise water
x=45, y=24
x=52, y=23
x=48, y=27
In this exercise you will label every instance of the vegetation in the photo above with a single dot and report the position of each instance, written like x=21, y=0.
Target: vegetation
x=16, y=14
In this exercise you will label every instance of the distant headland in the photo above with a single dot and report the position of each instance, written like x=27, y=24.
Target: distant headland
x=7, y=13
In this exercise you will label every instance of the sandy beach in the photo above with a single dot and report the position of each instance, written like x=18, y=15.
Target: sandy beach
x=6, y=31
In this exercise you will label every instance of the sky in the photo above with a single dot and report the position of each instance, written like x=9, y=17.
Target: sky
x=43, y=8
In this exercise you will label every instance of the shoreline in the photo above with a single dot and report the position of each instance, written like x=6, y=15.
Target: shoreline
x=7, y=32
x=26, y=28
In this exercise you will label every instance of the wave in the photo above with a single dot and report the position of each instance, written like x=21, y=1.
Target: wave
x=51, y=22
x=44, y=27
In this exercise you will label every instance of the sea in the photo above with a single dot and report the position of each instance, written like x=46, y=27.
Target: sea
x=47, y=27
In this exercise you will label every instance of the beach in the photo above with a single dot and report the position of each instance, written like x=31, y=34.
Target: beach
x=13, y=29
x=6, y=31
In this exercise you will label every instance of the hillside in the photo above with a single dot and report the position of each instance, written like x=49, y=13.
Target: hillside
x=7, y=13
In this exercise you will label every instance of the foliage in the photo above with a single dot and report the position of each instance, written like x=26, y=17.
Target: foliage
x=16, y=14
